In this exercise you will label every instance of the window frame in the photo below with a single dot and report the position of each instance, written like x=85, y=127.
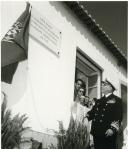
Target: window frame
x=93, y=65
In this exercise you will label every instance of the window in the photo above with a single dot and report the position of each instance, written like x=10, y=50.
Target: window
x=90, y=73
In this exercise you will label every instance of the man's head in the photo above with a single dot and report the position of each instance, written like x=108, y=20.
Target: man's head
x=79, y=83
x=81, y=92
x=107, y=87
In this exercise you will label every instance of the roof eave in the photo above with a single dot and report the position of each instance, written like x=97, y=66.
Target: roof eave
x=82, y=13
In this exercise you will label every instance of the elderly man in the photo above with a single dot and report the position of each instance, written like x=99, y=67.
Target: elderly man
x=106, y=116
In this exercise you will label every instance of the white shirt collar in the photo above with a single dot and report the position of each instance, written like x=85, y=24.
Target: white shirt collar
x=108, y=94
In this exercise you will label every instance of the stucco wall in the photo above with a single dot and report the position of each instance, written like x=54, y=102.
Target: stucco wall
x=50, y=83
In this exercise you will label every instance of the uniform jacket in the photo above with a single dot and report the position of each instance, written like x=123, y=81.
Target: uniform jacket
x=104, y=114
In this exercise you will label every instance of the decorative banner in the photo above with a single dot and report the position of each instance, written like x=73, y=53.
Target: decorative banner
x=45, y=32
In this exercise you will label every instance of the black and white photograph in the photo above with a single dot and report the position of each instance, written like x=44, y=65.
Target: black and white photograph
x=64, y=74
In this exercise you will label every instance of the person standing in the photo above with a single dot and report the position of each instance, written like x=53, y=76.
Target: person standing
x=106, y=116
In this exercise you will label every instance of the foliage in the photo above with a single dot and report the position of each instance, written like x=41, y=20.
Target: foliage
x=11, y=127
x=74, y=137
x=51, y=146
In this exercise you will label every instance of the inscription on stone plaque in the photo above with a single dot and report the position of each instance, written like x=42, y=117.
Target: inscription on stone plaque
x=45, y=32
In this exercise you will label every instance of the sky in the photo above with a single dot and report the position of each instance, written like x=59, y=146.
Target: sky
x=112, y=17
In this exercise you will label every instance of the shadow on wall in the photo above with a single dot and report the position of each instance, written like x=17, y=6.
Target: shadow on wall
x=70, y=16
x=17, y=89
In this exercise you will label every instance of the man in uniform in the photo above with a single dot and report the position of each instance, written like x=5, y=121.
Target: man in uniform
x=106, y=116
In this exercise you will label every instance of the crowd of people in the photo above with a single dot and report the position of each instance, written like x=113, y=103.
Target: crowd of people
x=102, y=117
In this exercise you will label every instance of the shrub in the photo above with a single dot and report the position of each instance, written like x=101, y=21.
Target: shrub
x=11, y=127
x=75, y=137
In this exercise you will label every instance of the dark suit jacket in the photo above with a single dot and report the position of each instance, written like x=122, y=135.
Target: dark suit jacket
x=105, y=112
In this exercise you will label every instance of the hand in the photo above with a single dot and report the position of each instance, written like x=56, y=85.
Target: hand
x=109, y=132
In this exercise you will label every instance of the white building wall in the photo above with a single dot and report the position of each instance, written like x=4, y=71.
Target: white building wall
x=50, y=86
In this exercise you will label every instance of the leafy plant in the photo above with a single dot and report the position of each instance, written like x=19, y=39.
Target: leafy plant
x=11, y=127
x=75, y=137
x=51, y=146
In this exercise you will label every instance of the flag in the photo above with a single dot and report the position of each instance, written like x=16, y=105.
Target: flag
x=14, y=46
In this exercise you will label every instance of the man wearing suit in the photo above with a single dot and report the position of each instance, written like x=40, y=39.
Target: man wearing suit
x=106, y=116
